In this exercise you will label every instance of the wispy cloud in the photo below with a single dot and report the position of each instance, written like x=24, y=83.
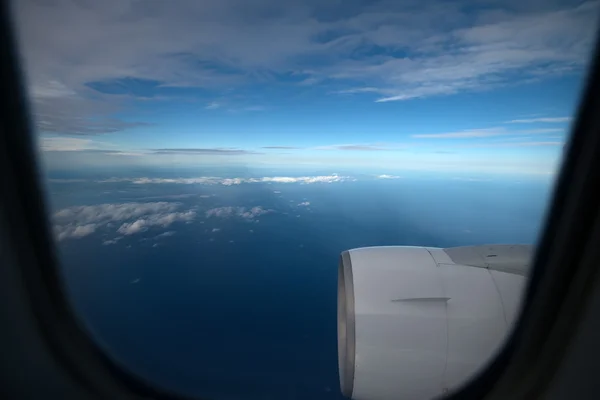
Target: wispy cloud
x=540, y=130
x=72, y=144
x=508, y=50
x=213, y=106
x=78, y=115
x=470, y=133
x=359, y=90
x=204, y=151
x=74, y=231
x=536, y=120
x=485, y=133
x=52, y=144
x=360, y=147
x=162, y=220
x=344, y=147
x=281, y=147
x=241, y=212
x=79, y=221
x=517, y=144
x=112, y=241
x=104, y=213
x=165, y=234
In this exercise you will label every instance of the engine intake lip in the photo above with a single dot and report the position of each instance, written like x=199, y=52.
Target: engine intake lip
x=346, y=325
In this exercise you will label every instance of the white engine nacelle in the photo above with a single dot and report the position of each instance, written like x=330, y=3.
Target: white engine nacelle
x=416, y=322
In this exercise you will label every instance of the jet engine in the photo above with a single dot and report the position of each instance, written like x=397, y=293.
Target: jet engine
x=417, y=322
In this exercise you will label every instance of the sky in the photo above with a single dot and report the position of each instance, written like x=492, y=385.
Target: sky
x=472, y=87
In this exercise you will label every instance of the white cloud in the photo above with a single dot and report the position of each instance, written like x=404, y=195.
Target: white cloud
x=540, y=130
x=134, y=227
x=484, y=133
x=301, y=179
x=517, y=144
x=143, y=181
x=384, y=176
x=112, y=241
x=535, y=120
x=358, y=147
x=74, y=231
x=163, y=220
x=52, y=89
x=215, y=230
x=165, y=234
x=107, y=212
x=61, y=143
x=281, y=147
x=213, y=106
x=469, y=133
x=231, y=181
x=203, y=151
x=241, y=212
x=211, y=180
x=79, y=221
x=304, y=204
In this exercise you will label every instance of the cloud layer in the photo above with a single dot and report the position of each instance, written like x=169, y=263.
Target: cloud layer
x=210, y=180
x=86, y=61
x=79, y=221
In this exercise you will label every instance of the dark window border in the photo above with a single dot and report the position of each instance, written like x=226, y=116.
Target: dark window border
x=559, y=288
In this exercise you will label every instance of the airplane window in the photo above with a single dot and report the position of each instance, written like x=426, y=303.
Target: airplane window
x=300, y=199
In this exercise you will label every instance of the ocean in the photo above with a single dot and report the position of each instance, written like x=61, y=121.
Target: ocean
x=245, y=308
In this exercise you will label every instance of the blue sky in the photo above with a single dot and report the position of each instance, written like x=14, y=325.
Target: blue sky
x=367, y=85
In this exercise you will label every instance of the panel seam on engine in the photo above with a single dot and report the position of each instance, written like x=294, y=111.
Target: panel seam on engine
x=433, y=258
x=500, y=296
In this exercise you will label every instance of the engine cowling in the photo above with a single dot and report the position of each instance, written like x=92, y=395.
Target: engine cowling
x=416, y=322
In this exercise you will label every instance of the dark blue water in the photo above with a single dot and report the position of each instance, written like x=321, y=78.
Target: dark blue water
x=256, y=318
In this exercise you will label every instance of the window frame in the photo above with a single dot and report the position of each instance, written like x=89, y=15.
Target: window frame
x=563, y=277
